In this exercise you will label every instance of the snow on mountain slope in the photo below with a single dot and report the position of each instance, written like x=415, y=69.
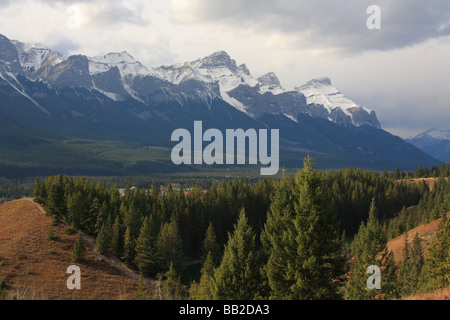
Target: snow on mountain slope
x=218, y=67
x=120, y=76
x=256, y=96
x=33, y=55
x=182, y=72
x=126, y=64
x=321, y=92
x=18, y=87
x=433, y=134
x=435, y=142
x=270, y=83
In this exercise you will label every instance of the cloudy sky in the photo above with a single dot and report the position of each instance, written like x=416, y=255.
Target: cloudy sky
x=402, y=70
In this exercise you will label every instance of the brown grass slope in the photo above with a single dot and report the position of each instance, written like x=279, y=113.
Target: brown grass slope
x=427, y=233
x=429, y=181
x=33, y=267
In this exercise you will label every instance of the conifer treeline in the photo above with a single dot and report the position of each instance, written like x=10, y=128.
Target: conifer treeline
x=272, y=239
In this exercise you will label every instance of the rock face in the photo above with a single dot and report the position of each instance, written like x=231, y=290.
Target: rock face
x=9, y=58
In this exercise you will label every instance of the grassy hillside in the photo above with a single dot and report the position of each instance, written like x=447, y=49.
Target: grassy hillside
x=33, y=267
x=427, y=233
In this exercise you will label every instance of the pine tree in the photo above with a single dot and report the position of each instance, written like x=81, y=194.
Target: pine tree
x=38, y=191
x=77, y=209
x=117, y=239
x=102, y=216
x=404, y=274
x=436, y=270
x=50, y=233
x=277, y=239
x=238, y=276
x=56, y=201
x=104, y=238
x=416, y=257
x=141, y=293
x=132, y=219
x=79, y=250
x=369, y=248
x=128, y=248
x=203, y=290
x=169, y=247
x=305, y=254
x=172, y=288
x=210, y=245
x=145, y=258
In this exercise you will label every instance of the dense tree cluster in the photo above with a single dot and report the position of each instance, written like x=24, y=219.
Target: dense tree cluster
x=277, y=239
x=431, y=206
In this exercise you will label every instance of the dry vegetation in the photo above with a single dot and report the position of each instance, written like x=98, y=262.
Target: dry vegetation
x=427, y=233
x=429, y=181
x=443, y=294
x=33, y=267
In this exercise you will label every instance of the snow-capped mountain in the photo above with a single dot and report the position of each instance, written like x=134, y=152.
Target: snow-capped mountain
x=321, y=92
x=115, y=97
x=33, y=56
x=258, y=96
x=435, y=142
x=433, y=134
x=126, y=63
x=119, y=76
x=269, y=83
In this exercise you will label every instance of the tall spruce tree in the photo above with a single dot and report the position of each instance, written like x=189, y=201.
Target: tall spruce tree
x=172, y=289
x=117, y=239
x=141, y=293
x=436, y=270
x=169, y=247
x=104, y=238
x=56, y=200
x=146, y=258
x=210, y=245
x=38, y=192
x=305, y=254
x=128, y=248
x=238, y=276
x=79, y=250
x=369, y=248
x=203, y=290
x=411, y=267
x=278, y=239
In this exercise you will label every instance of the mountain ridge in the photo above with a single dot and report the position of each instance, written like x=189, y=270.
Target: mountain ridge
x=435, y=142
x=40, y=62
x=113, y=100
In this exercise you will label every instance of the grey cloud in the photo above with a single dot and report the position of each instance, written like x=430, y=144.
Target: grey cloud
x=5, y=3
x=337, y=24
x=115, y=11
x=65, y=46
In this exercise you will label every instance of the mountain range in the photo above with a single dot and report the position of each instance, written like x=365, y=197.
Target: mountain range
x=435, y=142
x=111, y=115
